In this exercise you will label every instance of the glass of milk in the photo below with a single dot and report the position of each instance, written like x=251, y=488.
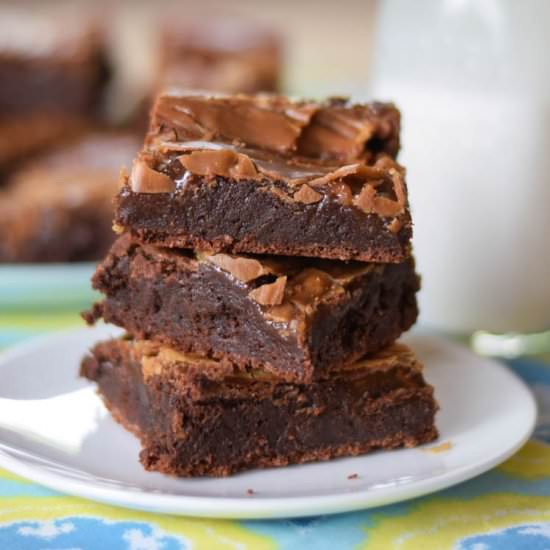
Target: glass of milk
x=472, y=78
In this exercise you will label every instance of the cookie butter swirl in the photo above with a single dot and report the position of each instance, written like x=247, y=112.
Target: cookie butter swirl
x=156, y=360
x=287, y=289
x=334, y=129
x=333, y=150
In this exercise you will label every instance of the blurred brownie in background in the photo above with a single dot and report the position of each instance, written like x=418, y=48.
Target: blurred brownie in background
x=58, y=207
x=53, y=74
x=222, y=55
x=228, y=55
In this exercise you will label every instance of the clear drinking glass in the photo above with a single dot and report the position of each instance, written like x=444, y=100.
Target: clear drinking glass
x=472, y=78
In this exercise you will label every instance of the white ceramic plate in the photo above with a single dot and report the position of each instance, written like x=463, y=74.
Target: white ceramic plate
x=55, y=431
x=37, y=286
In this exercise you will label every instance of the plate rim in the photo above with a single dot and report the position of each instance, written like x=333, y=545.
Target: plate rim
x=256, y=506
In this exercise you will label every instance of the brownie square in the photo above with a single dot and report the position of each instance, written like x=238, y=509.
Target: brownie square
x=53, y=70
x=58, y=207
x=266, y=175
x=194, y=418
x=227, y=55
x=295, y=317
x=217, y=54
x=26, y=135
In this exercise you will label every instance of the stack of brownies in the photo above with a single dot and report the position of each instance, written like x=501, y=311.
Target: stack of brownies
x=263, y=273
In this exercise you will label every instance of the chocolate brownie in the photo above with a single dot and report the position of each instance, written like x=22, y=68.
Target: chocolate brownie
x=195, y=418
x=296, y=317
x=264, y=174
x=58, y=208
x=53, y=70
x=31, y=134
x=227, y=55
x=224, y=55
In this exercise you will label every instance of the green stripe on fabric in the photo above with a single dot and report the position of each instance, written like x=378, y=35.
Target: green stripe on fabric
x=40, y=320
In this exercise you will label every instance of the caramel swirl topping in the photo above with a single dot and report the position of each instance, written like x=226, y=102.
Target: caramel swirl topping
x=307, y=195
x=244, y=269
x=309, y=285
x=370, y=202
x=308, y=150
x=334, y=129
x=266, y=122
x=144, y=179
x=287, y=289
x=215, y=163
x=270, y=294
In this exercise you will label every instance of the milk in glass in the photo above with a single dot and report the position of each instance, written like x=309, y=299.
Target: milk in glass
x=472, y=78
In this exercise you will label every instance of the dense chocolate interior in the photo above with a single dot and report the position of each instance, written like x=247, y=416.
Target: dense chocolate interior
x=295, y=316
x=191, y=425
